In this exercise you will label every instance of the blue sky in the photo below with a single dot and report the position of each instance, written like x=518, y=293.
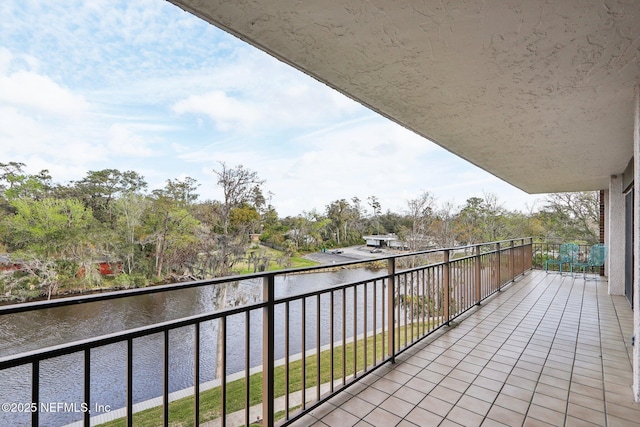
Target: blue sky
x=142, y=85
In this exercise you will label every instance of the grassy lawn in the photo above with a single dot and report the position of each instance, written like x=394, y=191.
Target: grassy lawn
x=181, y=411
x=296, y=262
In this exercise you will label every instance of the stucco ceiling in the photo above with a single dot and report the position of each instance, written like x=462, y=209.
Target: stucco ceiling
x=539, y=93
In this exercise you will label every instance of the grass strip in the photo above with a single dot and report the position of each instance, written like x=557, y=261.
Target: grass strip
x=181, y=410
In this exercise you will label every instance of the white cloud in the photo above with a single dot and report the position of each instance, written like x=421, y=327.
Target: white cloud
x=38, y=92
x=227, y=112
x=124, y=142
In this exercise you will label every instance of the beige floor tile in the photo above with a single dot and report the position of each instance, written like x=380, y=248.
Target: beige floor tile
x=380, y=417
x=505, y=416
x=423, y=417
x=446, y=394
x=397, y=406
x=512, y=403
x=339, y=417
x=358, y=407
x=410, y=395
x=576, y=422
x=546, y=415
x=474, y=404
x=586, y=414
x=481, y=393
x=373, y=396
x=559, y=405
x=549, y=390
x=465, y=417
x=435, y=405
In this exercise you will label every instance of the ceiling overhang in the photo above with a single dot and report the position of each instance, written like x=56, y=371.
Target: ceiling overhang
x=538, y=93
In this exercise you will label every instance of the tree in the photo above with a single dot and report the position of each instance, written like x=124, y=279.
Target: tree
x=443, y=226
x=420, y=212
x=572, y=216
x=172, y=225
x=99, y=190
x=16, y=184
x=345, y=221
x=49, y=227
x=130, y=209
x=376, y=209
x=239, y=185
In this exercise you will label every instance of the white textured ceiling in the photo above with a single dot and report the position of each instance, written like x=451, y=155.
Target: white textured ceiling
x=539, y=93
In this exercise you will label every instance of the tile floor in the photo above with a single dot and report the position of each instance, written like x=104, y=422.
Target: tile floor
x=547, y=351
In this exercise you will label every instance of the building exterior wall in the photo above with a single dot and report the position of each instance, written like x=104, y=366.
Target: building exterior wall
x=614, y=235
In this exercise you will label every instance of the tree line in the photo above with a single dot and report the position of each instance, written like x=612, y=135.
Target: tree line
x=60, y=232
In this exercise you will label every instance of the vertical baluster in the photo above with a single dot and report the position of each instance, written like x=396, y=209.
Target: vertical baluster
x=375, y=322
x=478, y=274
x=422, y=303
x=331, y=339
x=391, y=341
x=165, y=379
x=445, y=291
x=498, y=267
x=196, y=375
x=383, y=310
x=512, y=275
x=286, y=358
x=247, y=366
x=130, y=382
x=87, y=385
x=355, y=331
x=223, y=375
x=364, y=322
x=318, y=347
x=344, y=336
x=303, y=344
x=406, y=323
x=35, y=392
x=413, y=276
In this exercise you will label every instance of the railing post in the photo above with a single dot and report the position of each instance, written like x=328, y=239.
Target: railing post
x=268, y=320
x=523, y=257
x=498, y=269
x=391, y=336
x=478, y=280
x=446, y=287
x=512, y=259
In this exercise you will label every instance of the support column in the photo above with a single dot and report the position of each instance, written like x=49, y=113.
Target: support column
x=614, y=235
x=636, y=246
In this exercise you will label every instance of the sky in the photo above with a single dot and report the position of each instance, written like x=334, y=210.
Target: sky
x=142, y=85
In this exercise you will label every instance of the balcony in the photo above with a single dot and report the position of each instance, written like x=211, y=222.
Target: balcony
x=547, y=350
x=463, y=336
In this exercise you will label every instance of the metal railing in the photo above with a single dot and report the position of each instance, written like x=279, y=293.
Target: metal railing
x=549, y=250
x=345, y=332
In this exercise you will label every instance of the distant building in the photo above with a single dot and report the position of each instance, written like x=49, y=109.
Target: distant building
x=384, y=241
x=391, y=241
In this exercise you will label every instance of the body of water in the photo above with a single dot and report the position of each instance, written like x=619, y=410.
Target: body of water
x=61, y=379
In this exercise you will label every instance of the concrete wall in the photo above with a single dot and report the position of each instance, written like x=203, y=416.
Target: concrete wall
x=614, y=237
